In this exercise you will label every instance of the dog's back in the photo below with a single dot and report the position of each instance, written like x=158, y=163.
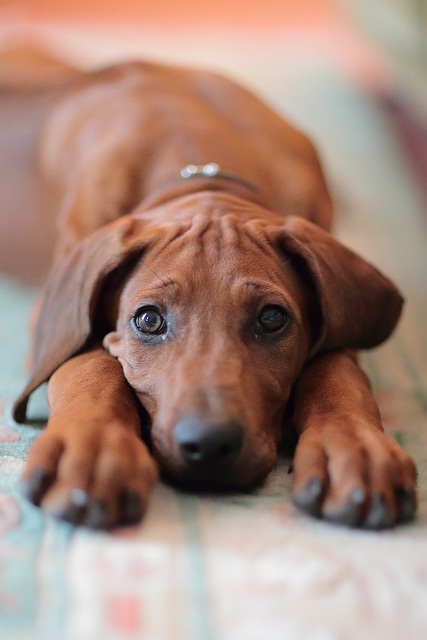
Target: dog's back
x=124, y=133
x=28, y=82
x=110, y=140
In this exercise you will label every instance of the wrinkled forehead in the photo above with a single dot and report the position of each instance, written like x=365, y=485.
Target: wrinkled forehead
x=210, y=243
x=210, y=257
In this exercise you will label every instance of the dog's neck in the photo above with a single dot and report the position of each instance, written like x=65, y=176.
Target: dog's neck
x=208, y=177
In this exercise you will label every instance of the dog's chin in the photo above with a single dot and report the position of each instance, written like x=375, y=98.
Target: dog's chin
x=213, y=480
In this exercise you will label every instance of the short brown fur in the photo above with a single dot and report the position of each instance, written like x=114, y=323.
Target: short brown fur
x=210, y=258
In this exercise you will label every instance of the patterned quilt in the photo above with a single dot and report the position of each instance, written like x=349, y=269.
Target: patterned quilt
x=246, y=567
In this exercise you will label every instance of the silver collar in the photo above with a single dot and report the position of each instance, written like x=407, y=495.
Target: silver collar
x=213, y=170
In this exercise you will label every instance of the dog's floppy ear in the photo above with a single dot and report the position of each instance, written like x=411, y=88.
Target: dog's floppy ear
x=65, y=320
x=359, y=307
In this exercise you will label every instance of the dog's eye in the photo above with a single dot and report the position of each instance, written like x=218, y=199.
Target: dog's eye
x=271, y=319
x=150, y=320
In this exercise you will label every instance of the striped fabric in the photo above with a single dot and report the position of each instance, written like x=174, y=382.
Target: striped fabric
x=246, y=567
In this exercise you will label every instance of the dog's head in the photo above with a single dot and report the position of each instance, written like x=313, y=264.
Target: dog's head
x=213, y=313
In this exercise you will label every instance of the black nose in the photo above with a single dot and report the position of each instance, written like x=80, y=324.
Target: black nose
x=202, y=443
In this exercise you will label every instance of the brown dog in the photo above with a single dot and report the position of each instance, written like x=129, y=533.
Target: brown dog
x=201, y=306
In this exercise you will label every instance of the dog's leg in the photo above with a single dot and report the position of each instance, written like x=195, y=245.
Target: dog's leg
x=345, y=468
x=89, y=465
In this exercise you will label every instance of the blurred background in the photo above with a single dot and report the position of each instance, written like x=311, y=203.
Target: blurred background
x=370, y=38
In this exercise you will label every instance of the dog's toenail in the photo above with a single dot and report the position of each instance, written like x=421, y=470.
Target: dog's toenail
x=35, y=485
x=96, y=517
x=308, y=499
x=347, y=515
x=406, y=503
x=79, y=498
x=314, y=487
x=71, y=513
x=406, y=491
x=358, y=496
x=132, y=508
x=378, y=517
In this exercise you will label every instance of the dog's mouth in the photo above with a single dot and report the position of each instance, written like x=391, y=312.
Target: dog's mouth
x=240, y=474
x=209, y=480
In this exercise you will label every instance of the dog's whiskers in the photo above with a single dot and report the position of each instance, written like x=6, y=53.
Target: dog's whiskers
x=282, y=264
x=166, y=283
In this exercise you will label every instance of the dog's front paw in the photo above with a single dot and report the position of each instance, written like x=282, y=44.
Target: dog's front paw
x=357, y=476
x=98, y=479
